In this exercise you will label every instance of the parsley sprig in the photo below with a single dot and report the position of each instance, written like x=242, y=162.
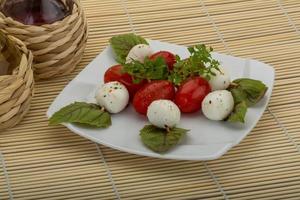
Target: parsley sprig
x=200, y=63
x=150, y=70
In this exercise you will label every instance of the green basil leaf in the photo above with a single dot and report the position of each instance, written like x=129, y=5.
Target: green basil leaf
x=82, y=113
x=122, y=44
x=159, y=140
x=239, y=112
x=253, y=90
x=238, y=95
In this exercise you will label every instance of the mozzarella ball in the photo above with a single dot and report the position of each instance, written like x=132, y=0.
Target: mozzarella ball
x=139, y=52
x=113, y=96
x=218, y=105
x=163, y=114
x=220, y=81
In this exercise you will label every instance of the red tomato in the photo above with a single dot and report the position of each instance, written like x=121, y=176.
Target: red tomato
x=152, y=91
x=167, y=56
x=191, y=94
x=114, y=73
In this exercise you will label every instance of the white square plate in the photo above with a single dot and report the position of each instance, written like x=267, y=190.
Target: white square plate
x=207, y=139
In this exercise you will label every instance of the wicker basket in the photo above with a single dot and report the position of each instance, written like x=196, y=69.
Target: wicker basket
x=57, y=48
x=16, y=89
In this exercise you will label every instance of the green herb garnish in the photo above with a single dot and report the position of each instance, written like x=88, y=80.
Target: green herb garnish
x=200, y=63
x=239, y=112
x=122, y=44
x=254, y=90
x=150, y=69
x=160, y=140
x=246, y=93
x=82, y=113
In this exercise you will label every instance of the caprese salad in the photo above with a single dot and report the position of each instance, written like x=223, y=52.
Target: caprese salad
x=163, y=86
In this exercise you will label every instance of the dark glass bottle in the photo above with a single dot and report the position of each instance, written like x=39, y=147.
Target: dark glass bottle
x=36, y=12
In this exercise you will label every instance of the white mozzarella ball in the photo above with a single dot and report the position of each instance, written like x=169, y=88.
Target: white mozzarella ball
x=163, y=114
x=221, y=81
x=113, y=96
x=218, y=105
x=139, y=52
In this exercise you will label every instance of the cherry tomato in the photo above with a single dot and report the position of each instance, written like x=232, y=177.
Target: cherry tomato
x=191, y=93
x=152, y=91
x=167, y=56
x=114, y=73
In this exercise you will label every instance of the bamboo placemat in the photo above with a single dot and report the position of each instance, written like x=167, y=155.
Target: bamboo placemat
x=41, y=162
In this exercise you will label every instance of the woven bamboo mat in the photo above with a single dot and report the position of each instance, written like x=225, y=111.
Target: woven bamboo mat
x=41, y=162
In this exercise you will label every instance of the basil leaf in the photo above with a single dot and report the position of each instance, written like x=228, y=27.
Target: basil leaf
x=238, y=95
x=159, y=140
x=239, y=112
x=254, y=90
x=82, y=113
x=240, y=105
x=122, y=44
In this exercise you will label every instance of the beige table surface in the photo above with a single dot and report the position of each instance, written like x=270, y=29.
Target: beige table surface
x=41, y=162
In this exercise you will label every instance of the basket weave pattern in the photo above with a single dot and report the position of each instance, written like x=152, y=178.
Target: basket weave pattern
x=16, y=90
x=57, y=48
